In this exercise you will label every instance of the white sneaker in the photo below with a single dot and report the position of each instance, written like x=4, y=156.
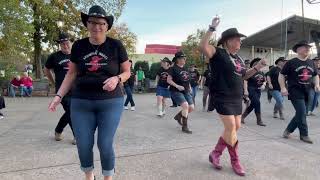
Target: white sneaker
x=133, y=108
x=164, y=112
x=126, y=108
x=1, y=117
x=160, y=114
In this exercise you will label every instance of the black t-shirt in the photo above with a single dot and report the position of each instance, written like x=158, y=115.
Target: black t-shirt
x=131, y=80
x=274, y=75
x=207, y=75
x=95, y=64
x=257, y=80
x=227, y=75
x=194, y=78
x=163, y=75
x=59, y=63
x=181, y=76
x=300, y=75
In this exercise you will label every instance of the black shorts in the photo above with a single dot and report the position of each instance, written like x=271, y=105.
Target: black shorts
x=225, y=106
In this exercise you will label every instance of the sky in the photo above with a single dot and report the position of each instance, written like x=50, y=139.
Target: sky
x=171, y=21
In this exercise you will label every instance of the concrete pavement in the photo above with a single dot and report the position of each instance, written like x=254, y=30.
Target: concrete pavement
x=152, y=148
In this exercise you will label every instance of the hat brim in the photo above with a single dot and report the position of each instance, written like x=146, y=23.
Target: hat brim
x=223, y=39
x=295, y=47
x=85, y=17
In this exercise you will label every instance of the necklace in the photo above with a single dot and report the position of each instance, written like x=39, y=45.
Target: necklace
x=96, y=50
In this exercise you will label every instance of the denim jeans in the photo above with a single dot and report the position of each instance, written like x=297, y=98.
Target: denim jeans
x=278, y=97
x=12, y=91
x=65, y=118
x=312, y=99
x=26, y=91
x=89, y=115
x=300, y=118
x=194, y=92
x=254, y=96
x=129, y=90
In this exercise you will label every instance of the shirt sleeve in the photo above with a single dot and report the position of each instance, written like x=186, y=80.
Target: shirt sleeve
x=50, y=62
x=123, y=56
x=286, y=68
x=74, y=52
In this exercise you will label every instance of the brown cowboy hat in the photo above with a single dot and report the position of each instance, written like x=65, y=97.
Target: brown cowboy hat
x=300, y=44
x=229, y=33
x=99, y=12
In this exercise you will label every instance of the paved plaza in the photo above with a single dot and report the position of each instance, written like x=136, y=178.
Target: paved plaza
x=152, y=148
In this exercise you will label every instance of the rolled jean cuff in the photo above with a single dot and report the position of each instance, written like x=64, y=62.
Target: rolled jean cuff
x=87, y=169
x=108, y=172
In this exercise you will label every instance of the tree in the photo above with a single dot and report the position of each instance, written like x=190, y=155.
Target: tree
x=191, y=48
x=155, y=67
x=35, y=21
x=128, y=38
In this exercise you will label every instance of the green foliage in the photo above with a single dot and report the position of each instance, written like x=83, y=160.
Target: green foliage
x=145, y=67
x=27, y=25
x=155, y=67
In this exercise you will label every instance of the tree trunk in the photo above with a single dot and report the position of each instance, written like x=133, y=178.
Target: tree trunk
x=37, y=42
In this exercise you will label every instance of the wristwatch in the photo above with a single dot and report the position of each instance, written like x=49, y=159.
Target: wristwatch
x=211, y=28
x=119, y=78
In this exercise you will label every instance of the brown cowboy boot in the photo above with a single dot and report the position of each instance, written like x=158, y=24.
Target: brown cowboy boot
x=185, y=128
x=235, y=162
x=259, y=120
x=281, y=113
x=214, y=156
x=178, y=117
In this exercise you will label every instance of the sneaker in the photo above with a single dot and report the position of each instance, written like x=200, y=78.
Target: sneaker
x=1, y=117
x=74, y=141
x=126, y=108
x=133, y=108
x=286, y=134
x=164, y=112
x=58, y=136
x=160, y=114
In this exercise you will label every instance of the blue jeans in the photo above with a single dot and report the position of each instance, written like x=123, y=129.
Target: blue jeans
x=254, y=96
x=26, y=91
x=279, y=99
x=312, y=99
x=129, y=91
x=300, y=118
x=12, y=91
x=87, y=116
x=194, y=92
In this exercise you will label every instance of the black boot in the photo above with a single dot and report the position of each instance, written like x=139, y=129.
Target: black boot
x=244, y=115
x=259, y=120
x=178, y=117
x=275, y=112
x=185, y=128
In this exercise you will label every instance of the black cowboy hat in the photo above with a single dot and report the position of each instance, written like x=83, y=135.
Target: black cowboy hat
x=299, y=44
x=280, y=59
x=229, y=33
x=165, y=59
x=63, y=37
x=254, y=61
x=316, y=59
x=99, y=12
x=178, y=54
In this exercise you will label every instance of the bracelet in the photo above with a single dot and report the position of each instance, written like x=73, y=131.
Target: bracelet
x=255, y=69
x=212, y=29
x=119, y=78
x=59, y=96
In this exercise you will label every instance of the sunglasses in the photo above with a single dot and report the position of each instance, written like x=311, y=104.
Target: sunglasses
x=96, y=23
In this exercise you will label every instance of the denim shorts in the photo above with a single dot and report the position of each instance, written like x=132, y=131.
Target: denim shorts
x=162, y=91
x=180, y=97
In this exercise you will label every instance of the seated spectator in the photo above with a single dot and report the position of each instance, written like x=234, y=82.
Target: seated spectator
x=26, y=83
x=2, y=105
x=15, y=84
